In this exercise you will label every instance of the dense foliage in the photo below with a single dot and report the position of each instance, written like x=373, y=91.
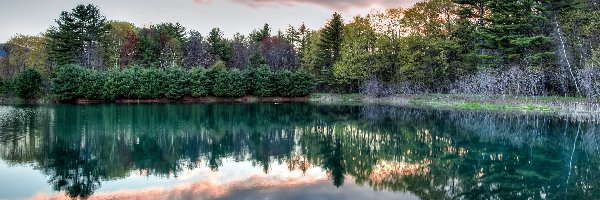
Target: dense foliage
x=445, y=46
x=28, y=85
x=4, y=88
x=74, y=82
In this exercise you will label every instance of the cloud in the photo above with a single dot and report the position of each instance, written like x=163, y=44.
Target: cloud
x=336, y=5
x=212, y=187
x=203, y=1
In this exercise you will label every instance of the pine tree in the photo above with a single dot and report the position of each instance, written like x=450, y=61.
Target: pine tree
x=260, y=35
x=77, y=36
x=466, y=47
x=219, y=46
x=356, y=62
x=328, y=51
x=516, y=32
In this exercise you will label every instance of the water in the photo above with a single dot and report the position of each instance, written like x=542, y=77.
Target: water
x=292, y=151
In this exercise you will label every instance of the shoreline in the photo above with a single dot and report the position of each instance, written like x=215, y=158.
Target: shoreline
x=208, y=99
x=541, y=104
x=438, y=101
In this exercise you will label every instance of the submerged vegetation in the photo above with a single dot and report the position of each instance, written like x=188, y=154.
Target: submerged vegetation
x=483, y=47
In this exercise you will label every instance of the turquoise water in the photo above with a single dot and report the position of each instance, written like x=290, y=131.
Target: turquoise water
x=292, y=151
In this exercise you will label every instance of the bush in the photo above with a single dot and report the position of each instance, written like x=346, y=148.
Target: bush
x=229, y=83
x=176, y=83
x=112, y=84
x=303, y=83
x=263, y=84
x=238, y=82
x=200, y=84
x=5, y=86
x=92, y=84
x=131, y=83
x=374, y=88
x=152, y=83
x=28, y=85
x=67, y=82
x=72, y=82
x=283, y=83
x=247, y=81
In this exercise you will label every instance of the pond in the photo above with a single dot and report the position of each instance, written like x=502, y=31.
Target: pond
x=292, y=151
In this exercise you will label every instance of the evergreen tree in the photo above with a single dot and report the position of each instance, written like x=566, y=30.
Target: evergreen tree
x=77, y=36
x=219, y=46
x=466, y=42
x=260, y=35
x=328, y=51
x=302, y=41
x=356, y=55
x=257, y=60
x=516, y=32
x=148, y=48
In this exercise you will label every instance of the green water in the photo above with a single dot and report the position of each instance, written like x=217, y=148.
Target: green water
x=292, y=151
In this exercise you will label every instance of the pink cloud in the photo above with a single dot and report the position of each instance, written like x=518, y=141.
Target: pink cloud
x=336, y=5
x=210, y=188
x=203, y=1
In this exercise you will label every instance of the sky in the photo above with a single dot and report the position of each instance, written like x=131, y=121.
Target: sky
x=31, y=17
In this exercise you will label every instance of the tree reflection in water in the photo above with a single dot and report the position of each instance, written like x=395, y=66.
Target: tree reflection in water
x=433, y=154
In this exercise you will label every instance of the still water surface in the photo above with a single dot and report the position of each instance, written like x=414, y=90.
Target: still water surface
x=292, y=151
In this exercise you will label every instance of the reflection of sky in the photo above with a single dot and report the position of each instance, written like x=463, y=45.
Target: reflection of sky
x=13, y=185
x=233, y=180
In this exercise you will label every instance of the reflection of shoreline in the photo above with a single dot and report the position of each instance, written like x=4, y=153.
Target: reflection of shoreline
x=215, y=185
x=204, y=183
x=87, y=149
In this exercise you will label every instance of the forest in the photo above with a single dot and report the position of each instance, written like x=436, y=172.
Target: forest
x=479, y=47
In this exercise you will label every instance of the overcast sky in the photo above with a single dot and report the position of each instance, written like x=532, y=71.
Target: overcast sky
x=35, y=16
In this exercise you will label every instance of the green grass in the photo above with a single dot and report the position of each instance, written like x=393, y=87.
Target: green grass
x=337, y=98
x=453, y=101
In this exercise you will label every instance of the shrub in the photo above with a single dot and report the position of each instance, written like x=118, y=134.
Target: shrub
x=130, y=83
x=176, y=83
x=67, y=82
x=28, y=85
x=374, y=88
x=283, y=83
x=247, y=80
x=303, y=83
x=5, y=86
x=229, y=83
x=92, y=84
x=200, y=83
x=152, y=83
x=263, y=84
x=221, y=83
x=238, y=82
x=215, y=70
x=111, y=89
x=72, y=82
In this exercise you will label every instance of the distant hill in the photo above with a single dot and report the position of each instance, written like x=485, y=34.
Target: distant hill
x=3, y=51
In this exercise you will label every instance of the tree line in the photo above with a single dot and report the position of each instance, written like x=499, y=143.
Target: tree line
x=488, y=47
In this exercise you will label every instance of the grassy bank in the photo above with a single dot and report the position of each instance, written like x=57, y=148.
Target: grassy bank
x=469, y=102
x=45, y=100
x=565, y=105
